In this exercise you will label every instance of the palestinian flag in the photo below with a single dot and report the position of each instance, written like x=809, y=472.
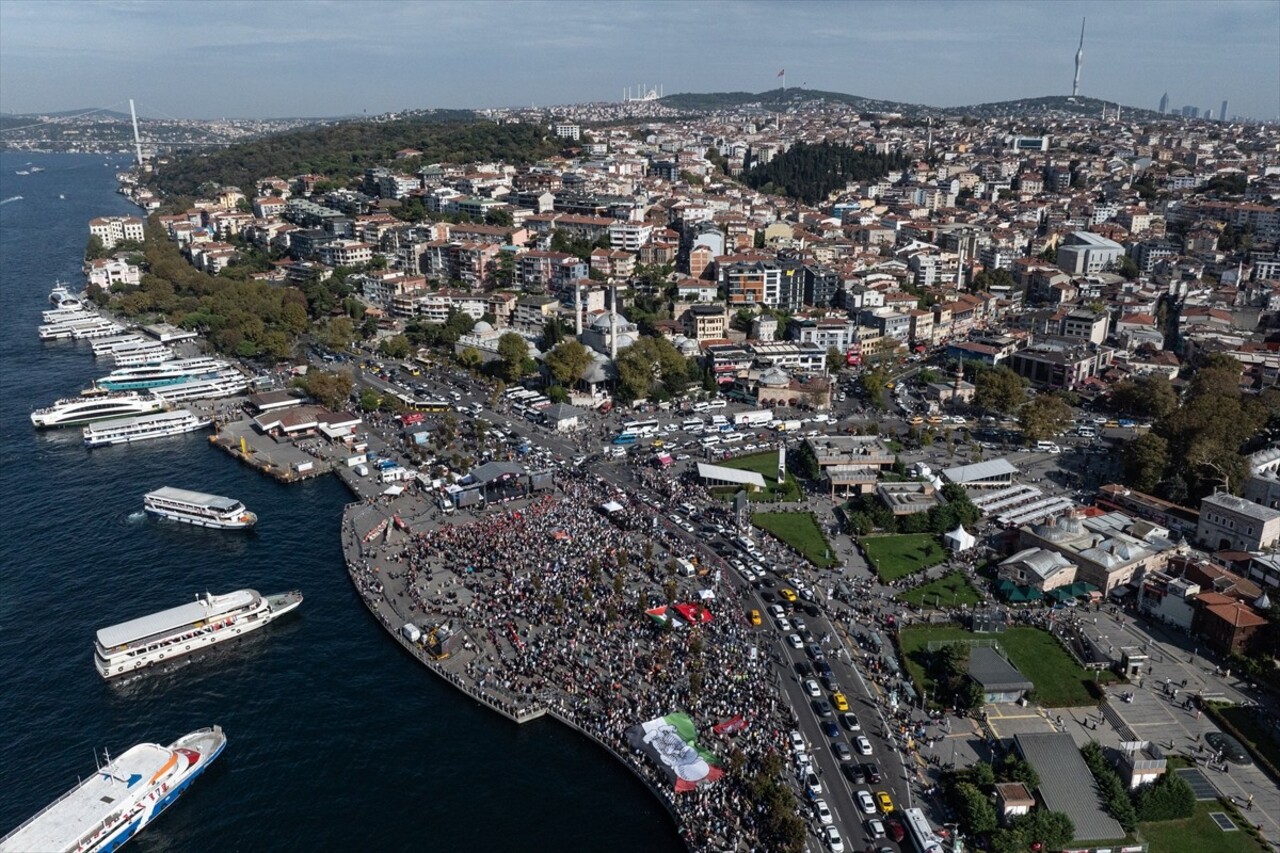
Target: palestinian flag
x=670, y=742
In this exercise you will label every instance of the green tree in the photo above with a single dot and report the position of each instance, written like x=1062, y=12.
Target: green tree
x=552, y=334
x=1170, y=797
x=1152, y=397
x=396, y=346
x=999, y=389
x=1053, y=830
x=835, y=360
x=470, y=358
x=568, y=362
x=976, y=813
x=327, y=388
x=94, y=249
x=512, y=352
x=1044, y=416
x=369, y=400
x=1146, y=458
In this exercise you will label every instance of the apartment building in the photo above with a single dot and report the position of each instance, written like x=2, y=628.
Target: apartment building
x=112, y=230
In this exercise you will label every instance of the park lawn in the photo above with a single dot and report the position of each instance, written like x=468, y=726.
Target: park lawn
x=897, y=556
x=1197, y=834
x=951, y=589
x=1262, y=740
x=766, y=465
x=1059, y=681
x=800, y=530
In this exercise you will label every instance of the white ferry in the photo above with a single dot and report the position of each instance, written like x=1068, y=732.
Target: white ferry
x=185, y=629
x=198, y=508
x=103, y=346
x=129, y=430
x=224, y=383
x=100, y=329
x=79, y=327
x=70, y=312
x=111, y=806
x=157, y=375
x=77, y=411
x=62, y=296
x=140, y=356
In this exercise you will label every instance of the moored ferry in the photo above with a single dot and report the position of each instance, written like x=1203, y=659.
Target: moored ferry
x=143, y=355
x=114, y=804
x=143, y=427
x=198, y=508
x=158, y=375
x=224, y=383
x=186, y=629
x=77, y=411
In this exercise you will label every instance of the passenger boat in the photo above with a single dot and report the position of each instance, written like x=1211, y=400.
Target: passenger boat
x=139, y=356
x=198, y=508
x=114, y=804
x=89, y=325
x=224, y=383
x=143, y=427
x=67, y=313
x=77, y=411
x=186, y=629
x=158, y=375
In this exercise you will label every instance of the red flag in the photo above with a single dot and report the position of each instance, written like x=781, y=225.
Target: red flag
x=782, y=73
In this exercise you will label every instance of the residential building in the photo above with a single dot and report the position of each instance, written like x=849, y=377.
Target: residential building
x=705, y=322
x=112, y=230
x=1060, y=364
x=109, y=272
x=1086, y=253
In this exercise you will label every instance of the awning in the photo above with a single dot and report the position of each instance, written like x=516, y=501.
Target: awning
x=393, y=490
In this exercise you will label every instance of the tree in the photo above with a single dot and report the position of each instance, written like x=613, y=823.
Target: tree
x=1152, y=397
x=988, y=279
x=1053, y=830
x=470, y=358
x=1128, y=268
x=999, y=389
x=1044, y=416
x=835, y=360
x=512, y=351
x=329, y=389
x=552, y=334
x=568, y=362
x=873, y=383
x=94, y=249
x=1145, y=460
x=648, y=362
x=1170, y=797
x=976, y=813
x=369, y=400
x=396, y=346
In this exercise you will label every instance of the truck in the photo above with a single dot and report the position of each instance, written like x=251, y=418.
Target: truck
x=788, y=426
x=760, y=417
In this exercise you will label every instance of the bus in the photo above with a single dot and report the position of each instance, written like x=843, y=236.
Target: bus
x=921, y=832
x=641, y=427
x=625, y=438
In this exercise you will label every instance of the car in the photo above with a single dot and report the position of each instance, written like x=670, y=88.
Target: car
x=794, y=641
x=810, y=609
x=840, y=701
x=896, y=830
x=834, y=841
x=811, y=687
x=875, y=828
x=754, y=616
x=853, y=772
x=767, y=597
x=822, y=812
x=804, y=762
x=797, y=740
x=850, y=721
x=814, y=651
x=776, y=611
x=862, y=745
x=830, y=729
x=822, y=708
x=803, y=668
x=884, y=801
x=813, y=787
x=829, y=684
x=800, y=624
x=865, y=802
x=807, y=636
x=842, y=751
x=871, y=771
x=789, y=594
x=782, y=624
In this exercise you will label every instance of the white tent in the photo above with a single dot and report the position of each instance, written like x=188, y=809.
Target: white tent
x=960, y=539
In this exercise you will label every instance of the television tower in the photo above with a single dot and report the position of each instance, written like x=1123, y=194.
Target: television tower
x=1075, y=84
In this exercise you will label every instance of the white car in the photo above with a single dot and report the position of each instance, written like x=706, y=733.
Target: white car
x=822, y=813
x=776, y=611
x=862, y=745
x=812, y=688
x=866, y=802
x=875, y=827
x=783, y=625
x=812, y=786
x=834, y=841
x=795, y=642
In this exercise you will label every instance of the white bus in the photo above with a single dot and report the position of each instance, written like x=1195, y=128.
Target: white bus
x=921, y=832
x=641, y=427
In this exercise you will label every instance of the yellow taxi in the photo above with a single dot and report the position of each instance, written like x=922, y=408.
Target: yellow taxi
x=916, y=420
x=935, y=419
x=754, y=616
x=657, y=442
x=884, y=802
x=839, y=700
x=789, y=594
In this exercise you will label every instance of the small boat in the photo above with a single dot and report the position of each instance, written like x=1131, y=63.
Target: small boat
x=22, y=172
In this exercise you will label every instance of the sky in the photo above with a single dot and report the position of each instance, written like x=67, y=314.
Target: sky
x=290, y=58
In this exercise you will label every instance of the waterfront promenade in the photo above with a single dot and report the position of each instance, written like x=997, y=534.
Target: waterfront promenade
x=549, y=597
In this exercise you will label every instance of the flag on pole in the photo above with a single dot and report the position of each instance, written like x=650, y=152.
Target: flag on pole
x=782, y=73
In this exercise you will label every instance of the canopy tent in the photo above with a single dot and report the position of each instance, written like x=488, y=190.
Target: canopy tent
x=1015, y=594
x=960, y=539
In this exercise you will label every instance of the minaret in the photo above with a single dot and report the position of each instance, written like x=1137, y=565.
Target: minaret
x=1075, y=85
x=613, y=323
x=577, y=309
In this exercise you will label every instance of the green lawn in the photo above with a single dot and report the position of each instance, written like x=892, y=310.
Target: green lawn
x=950, y=590
x=766, y=465
x=1197, y=834
x=800, y=530
x=1245, y=721
x=896, y=557
x=1059, y=681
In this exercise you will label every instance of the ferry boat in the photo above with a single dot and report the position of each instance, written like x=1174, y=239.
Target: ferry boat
x=185, y=629
x=158, y=375
x=61, y=293
x=77, y=411
x=198, y=508
x=104, y=346
x=143, y=427
x=72, y=326
x=224, y=383
x=101, y=329
x=142, y=356
x=67, y=314
x=111, y=806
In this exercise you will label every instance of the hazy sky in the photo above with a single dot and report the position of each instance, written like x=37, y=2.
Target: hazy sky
x=184, y=58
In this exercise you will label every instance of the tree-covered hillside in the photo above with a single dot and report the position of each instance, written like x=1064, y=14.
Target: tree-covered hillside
x=811, y=173
x=348, y=149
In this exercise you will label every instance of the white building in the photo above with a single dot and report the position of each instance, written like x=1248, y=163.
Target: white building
x=1086, y=253
x=112, y=230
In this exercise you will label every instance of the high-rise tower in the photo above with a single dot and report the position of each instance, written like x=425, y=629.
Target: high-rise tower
x=1164, y=103
x=1222, y=113
x=1075, y=84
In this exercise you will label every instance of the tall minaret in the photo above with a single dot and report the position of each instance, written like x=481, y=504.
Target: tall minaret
x=1075, y=85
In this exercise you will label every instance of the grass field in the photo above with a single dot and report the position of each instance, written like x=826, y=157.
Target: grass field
x=800, y=530
x=1244, y=720
x=1197, y=834
x=1059, y=681
x=951, y=590
x=766, y=465
x=896, y=557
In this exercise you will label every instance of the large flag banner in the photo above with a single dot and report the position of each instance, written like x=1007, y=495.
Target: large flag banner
x=670, y=742
x=731, y=726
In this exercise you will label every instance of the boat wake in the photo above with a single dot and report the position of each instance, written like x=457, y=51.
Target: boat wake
x=136, y=517
x=11, y=198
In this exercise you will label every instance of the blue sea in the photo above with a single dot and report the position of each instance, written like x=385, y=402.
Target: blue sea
x=337, y=740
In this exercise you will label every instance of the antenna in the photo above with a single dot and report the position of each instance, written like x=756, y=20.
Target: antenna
x=1075, y=85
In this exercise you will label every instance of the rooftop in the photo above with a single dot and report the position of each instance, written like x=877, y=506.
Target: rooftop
x=1066, y=785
